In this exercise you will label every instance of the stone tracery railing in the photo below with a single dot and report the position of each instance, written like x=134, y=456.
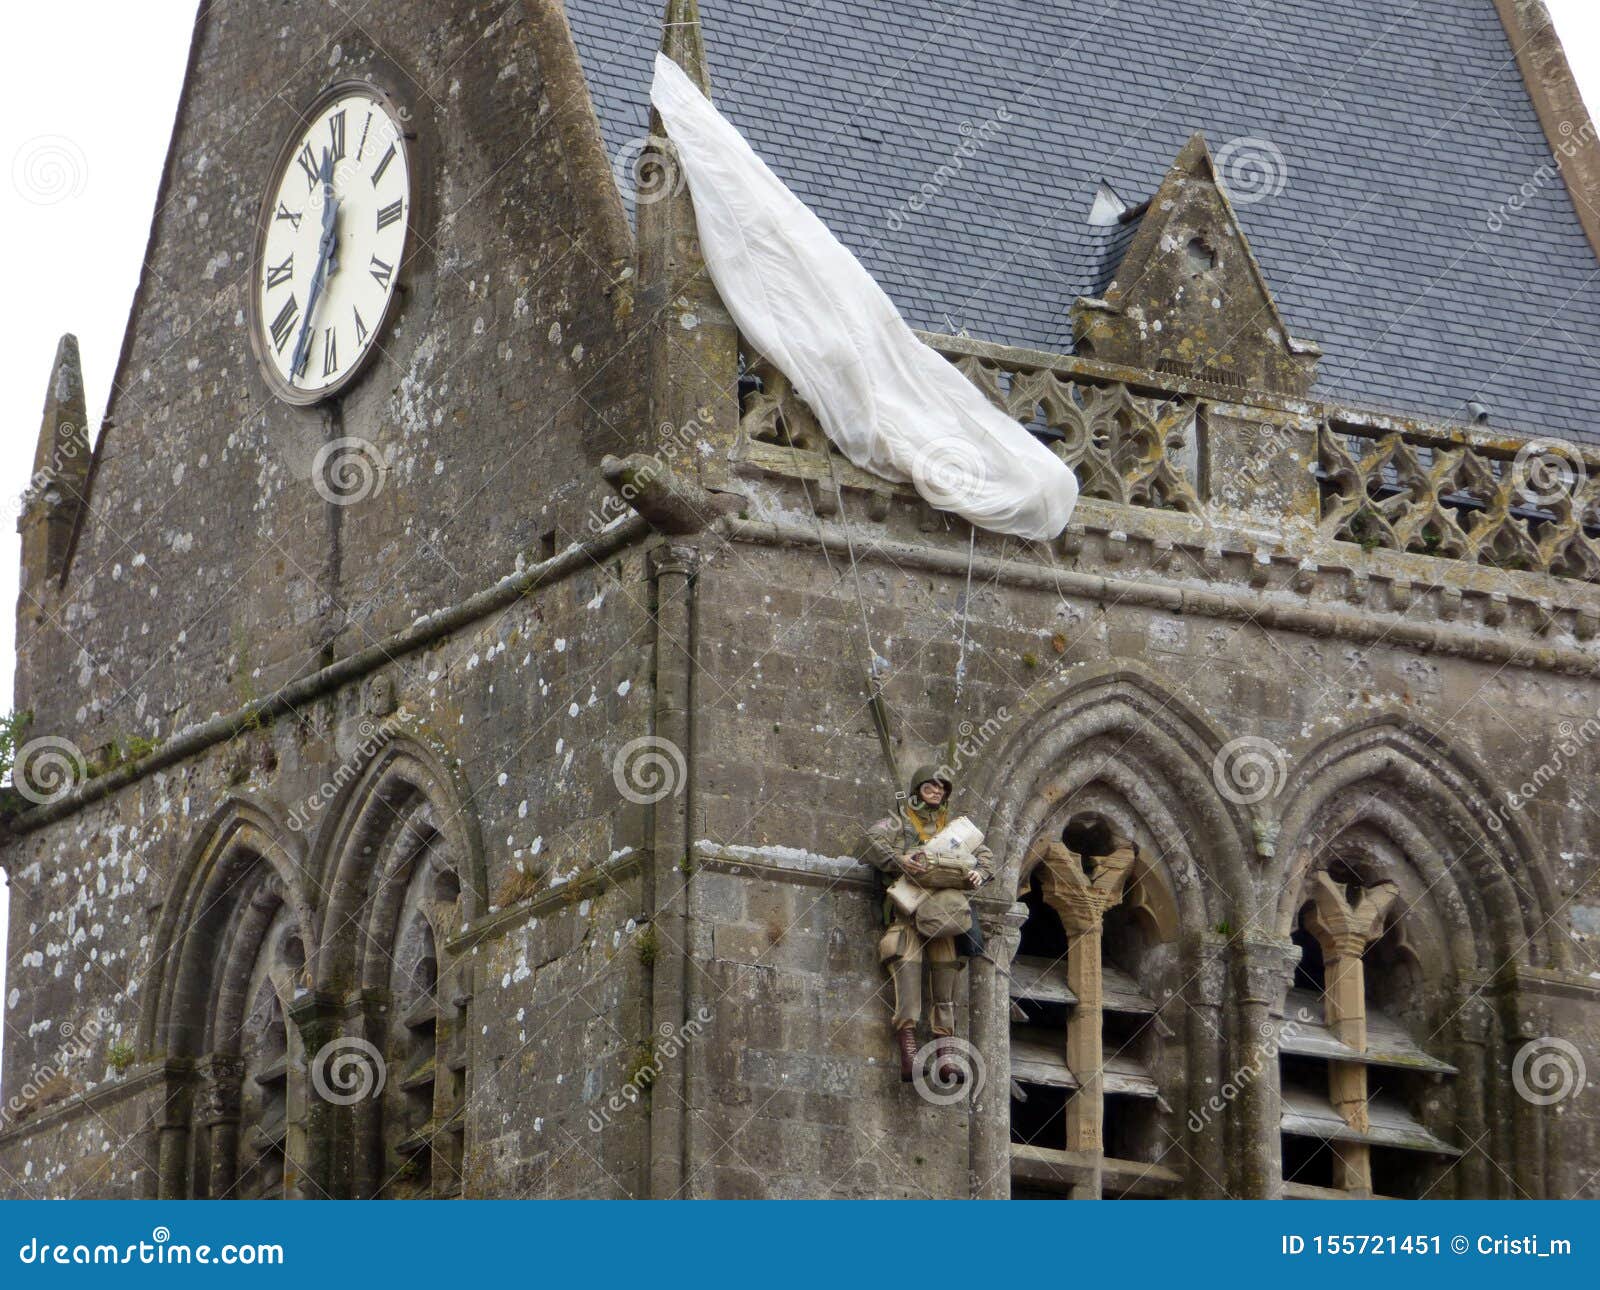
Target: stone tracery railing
x=1135, y=439
x=1126, y=448
x=1522, y=506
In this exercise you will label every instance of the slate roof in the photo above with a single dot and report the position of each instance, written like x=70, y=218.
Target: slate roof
x=1401, y=131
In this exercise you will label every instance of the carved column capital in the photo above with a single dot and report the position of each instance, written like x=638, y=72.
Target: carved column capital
x=217, y=1096
x=1345, y=925
x=675, y=558
x=1081, y=894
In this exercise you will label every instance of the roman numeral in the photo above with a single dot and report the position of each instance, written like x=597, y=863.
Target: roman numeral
x=292, y=216
x=280, y=273
x=308, y=163
x=330, y=352
x=283, y=324
x=388, y=215
x=336, y=131
x=382, y=272
x=362, y=146
x=383, y=164
x=361, y=327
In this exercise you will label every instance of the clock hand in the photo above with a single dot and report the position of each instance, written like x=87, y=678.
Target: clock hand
x=327, y=261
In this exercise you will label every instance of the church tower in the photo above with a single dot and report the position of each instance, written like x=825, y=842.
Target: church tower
x=464, y=676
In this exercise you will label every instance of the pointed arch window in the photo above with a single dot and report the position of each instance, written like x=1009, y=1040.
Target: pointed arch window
x=1351, y=1076
x=1086, y=1101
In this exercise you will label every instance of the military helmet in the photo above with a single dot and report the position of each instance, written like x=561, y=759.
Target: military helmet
x=937, y=774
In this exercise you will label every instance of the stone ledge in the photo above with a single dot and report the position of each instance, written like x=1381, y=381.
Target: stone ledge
x=790, y=864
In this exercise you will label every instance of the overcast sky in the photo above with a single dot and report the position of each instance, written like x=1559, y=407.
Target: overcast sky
x=88, y=98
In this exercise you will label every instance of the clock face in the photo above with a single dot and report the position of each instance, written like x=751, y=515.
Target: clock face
x=332, y=240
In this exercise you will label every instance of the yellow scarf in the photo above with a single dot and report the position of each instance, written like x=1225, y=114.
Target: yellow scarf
x=940, y=819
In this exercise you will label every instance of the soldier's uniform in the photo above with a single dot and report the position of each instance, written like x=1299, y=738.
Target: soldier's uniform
x=902, y=948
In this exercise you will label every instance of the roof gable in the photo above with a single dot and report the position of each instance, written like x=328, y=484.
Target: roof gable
x=1188, y=295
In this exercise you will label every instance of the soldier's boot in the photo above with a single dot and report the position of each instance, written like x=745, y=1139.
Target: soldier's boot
x=950, y=1069
x=906, y=1037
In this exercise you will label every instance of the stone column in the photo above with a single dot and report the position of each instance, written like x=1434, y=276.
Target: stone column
x=1474, y=1027
x=172, y=1133
x=1080, y=892
x=1263, y=969
x=989, y=1002
x=1346, y=920
x=317, y=1160
x=1204, y=1159
x=674, y=567
x=1530, y=1025
x=217, y=1113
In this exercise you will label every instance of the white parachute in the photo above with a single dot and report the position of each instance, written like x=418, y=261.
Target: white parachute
x=893, y=406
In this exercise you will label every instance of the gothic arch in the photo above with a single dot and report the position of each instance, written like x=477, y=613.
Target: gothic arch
x=403, y=870
x=403, y=807
x=231, y=956
x=1117, y=740
x=1435, y=804
x=239, y=851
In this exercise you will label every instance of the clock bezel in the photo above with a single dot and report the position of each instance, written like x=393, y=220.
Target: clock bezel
x=399, y=115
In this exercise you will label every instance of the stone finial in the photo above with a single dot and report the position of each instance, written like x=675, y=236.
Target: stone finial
x=567, y=91
x=57, y=490
x=683, y=42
